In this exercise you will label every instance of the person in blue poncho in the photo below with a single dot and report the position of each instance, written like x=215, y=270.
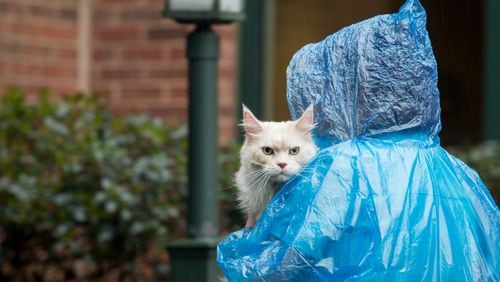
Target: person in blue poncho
x=382, y=200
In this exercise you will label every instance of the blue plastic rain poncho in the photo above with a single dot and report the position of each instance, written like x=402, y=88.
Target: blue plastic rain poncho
x=382, y=200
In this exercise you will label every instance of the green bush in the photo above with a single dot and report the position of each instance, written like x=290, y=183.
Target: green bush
x=485, y=159
x=79, y=185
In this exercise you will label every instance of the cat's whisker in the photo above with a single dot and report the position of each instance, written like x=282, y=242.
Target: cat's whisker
x=262, y=191
x=256, y=163
x=253, y=177
x=258, y=178
x=227, y=188
x=253, y=173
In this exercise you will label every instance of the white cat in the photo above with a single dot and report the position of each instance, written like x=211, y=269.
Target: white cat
x=272, y=153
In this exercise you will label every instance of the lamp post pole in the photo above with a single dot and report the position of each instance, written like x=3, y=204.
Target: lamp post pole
x=202, y=53
x=194, y=259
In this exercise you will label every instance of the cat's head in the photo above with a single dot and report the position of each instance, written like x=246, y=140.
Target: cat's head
x=279, y=149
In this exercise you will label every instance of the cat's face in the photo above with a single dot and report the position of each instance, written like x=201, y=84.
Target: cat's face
x=278, y=149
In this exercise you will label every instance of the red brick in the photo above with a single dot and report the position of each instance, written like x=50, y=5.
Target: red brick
x=227, y=73
x=67, y=54
x=43, y=30
x=19, y=49
x=50, y=13
x=9, y=47
x=101, y=55
x=41, y=10
x=38, y=70
x=142, y=93
x=26, y=69
x=180, y=102
x=177, y=53
x=226, y=111
x=141, y=15
x=120, y=33
x=226, y=31
x=166, y=33
x=57, y=71
x=169, y=73
x=47, y=11
x=118, y=2
x=68, y=14
x=10, y=8
x=68, y=90
x=179, y=92
x=36, y=50
x=120, y=73
x=143, y=54
x=100, y=16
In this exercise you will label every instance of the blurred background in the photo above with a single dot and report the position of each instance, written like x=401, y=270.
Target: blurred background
x=94, y=107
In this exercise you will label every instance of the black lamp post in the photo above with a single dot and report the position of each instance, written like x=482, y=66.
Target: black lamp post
x=194, y=258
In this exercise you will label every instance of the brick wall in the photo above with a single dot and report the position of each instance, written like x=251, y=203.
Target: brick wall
x=136, y=58
x=38, y=45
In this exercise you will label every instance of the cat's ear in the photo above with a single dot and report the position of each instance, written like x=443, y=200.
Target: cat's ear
x=250, y=122
x=306, y=122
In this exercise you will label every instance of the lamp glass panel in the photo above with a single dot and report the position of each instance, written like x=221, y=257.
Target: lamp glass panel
x=191, y=5
x=232, y=6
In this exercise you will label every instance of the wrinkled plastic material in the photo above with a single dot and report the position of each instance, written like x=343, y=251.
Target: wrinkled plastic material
x=382, y=200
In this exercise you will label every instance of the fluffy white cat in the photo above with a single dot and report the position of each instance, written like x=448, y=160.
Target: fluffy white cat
x=272, y=153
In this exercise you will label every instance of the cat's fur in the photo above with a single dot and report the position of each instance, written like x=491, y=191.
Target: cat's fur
x=262, y=173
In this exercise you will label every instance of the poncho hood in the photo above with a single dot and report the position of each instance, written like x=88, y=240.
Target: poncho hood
x=375, y=77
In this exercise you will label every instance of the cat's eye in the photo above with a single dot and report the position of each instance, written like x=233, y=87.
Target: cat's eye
x=267, y=150
x=294, y=151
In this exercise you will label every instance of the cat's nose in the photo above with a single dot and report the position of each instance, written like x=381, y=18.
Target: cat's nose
x=282, y=165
